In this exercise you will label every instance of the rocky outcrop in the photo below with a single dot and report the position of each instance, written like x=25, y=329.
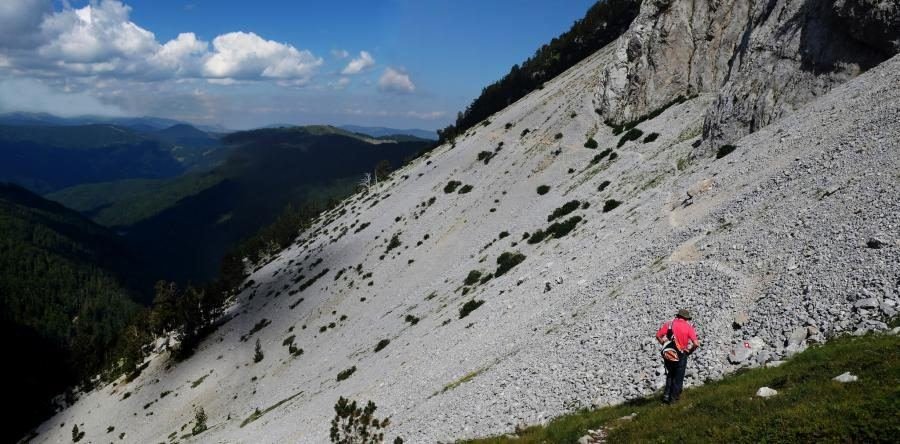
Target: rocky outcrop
x=763, y=59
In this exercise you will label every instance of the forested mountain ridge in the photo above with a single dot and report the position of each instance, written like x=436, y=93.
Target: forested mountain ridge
x=63, y=299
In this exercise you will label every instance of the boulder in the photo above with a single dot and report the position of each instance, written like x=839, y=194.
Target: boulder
x=740, y=353
x=740, y=320
x=797, y=336
x=845, y=377
x=765, y=392
x=774, y=364
x=866, y=303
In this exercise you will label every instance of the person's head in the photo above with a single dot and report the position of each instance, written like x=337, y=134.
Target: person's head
x=683, y=314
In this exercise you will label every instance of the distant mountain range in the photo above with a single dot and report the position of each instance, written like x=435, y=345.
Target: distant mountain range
x=46, y=158
x=379, y=131
x=145, y=123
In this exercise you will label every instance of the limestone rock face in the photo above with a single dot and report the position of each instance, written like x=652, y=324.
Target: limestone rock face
x=763, y=59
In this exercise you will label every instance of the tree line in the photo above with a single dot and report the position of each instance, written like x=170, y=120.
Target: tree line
x=603, y=23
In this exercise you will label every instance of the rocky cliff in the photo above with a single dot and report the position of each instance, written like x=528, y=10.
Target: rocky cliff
x=520, y=271
x=762, y=59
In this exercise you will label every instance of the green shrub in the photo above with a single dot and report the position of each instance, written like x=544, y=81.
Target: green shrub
x=600, y=156
x=567, y=208
x=344, y=374
x=558, y=136
x=603, y=185
x=503, y=234
x=381, y=345
x=632, y=134
x=257, y=352
x=469, y=307
x=613, y=156
x=465, y=189
x=199, y=422
x=451, y=186
x=725, y=150
x=413, y=320
x=536, y=237
x=485, y=156
x=508, y=125
x=473, y=277
x=507, y=261
x=543, y=189
x=591, y=143
x=354, y=425
x=560, y=229
x=651, y=137
x=77, y=435
x=610, y=205
x=525, y=132
x=394, y=243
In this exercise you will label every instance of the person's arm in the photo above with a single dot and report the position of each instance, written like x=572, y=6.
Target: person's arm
x=661, y=335
x=693, y=342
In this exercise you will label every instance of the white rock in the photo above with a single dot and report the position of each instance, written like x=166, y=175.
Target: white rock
x=765, y=392
x=845, y=377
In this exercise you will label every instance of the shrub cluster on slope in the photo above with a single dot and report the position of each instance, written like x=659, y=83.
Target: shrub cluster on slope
x=603, y=23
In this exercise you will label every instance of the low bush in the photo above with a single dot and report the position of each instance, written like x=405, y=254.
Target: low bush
x=651, y=137
x=558, y=136
x=344, y=374
x=355, y=425
x=610, y=205
x=485, y=156
x=469, y=307
x=507, y=261
x=199, y=422
x=465, y=189
x=560, y=229
x=258, y=353
x=591, y=143
x=567, y=208
x=543, y=189
x=603, y=185
x=632, y=134
x=725, y=150
x=452, y=186
x=381, y=345
x=413, y=320
x=596, y=159
x=472, y=277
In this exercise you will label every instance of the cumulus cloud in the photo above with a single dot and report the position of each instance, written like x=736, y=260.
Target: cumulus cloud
x=395, y=81
x=340, y=53
x=359, y=64
x=99, y=39
x=242, y=55
x=340, y=83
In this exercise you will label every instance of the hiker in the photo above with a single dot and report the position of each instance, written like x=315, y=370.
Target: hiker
x=678, y=340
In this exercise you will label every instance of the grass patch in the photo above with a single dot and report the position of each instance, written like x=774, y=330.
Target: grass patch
x=259, y=413
x=725, y=150
x=809, y=407
x=199, y=381
x=466, y=378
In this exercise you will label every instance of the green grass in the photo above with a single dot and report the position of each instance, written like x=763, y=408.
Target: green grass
x=809, y=407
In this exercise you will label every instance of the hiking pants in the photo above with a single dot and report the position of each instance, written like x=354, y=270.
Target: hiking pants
x=675, y=377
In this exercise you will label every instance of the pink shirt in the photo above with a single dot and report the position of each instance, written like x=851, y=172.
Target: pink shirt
x=682, y=331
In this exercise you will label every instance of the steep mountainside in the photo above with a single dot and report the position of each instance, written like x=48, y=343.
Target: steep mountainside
x=520, y=271
x=62, y=301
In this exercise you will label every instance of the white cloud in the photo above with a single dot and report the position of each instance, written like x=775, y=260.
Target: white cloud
x=359, y=64
x=242, y=55
x=395, y=81
x=99, y=39
x=340, y=53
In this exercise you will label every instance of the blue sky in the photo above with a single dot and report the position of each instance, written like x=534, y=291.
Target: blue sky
x=397, y=63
